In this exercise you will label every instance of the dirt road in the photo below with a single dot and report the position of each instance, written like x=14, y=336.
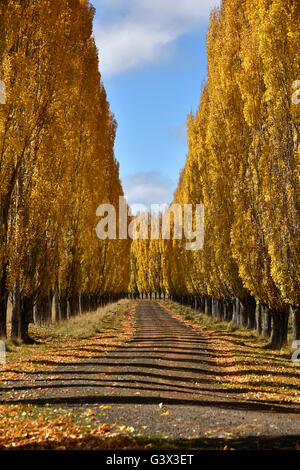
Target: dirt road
x=164, y=381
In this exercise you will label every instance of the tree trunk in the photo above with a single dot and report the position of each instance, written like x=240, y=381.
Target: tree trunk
x=73, y=306
x=279, y=329
x=251, y=309
x=235, y=311
x=3, y=316
x=228, y=310
x=16, y=311
x=243, y=314
x=22, y=314
x=221, y=310
x=80, y=304
x=63, y=306
x=213, y=307
x=295, y=311
x=4, y=216
x=43, y=309
x=267, y=322
x=208, y=306
x=56, y=304
x=259, y=323
x=3, y=304
x=26, y=315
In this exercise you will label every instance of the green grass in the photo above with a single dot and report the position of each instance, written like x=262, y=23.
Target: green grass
x=66, y=340
x=88, y=324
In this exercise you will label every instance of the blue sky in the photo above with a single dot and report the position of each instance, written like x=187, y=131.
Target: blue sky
x=153, y=63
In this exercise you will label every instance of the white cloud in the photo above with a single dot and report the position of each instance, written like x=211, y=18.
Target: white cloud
x=148, y=188
x=127, y=45
x=145, y=31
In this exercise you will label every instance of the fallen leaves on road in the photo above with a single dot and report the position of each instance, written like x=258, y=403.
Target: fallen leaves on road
x=252, y=370
x=20, y=428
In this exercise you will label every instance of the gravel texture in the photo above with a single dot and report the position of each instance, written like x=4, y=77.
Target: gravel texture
x=164, y=381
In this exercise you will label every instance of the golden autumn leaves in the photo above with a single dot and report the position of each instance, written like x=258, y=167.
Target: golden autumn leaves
x=243, y=165
x=57, y=164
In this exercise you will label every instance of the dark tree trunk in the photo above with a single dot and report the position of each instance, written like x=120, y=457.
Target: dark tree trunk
x=73, y=306
x=218, y=309
x=243, y=313
x=5, y=200
x=3, y=316
x=80, y=306
x=43, y=309
x=56, y=304
x=221, y=310
x=22, y=314
x=213, y=307
x=251, y=308
x=228, y=310
x=16, y=312
x=259, y=322
x=63, y=306
x=235, y=311
x=295, y=311
x=3, y=304
x=26, y=315
x=279, y=329
x=208, y=306
x=224, y=308
x=267, y=322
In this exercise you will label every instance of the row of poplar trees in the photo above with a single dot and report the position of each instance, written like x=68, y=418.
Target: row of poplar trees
x=243, y=165
x=56, y=166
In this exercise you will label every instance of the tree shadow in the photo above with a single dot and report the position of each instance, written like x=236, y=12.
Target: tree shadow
x=162, y=366
x=154, y=400
x=141, y=443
